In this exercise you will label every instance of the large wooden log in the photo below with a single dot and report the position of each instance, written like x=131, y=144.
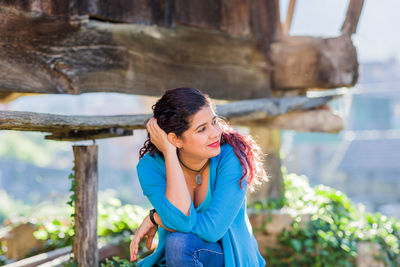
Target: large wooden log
x=86, y=177
x=311, y=62
x=47, y=54
x=268, y=112
x=59, y=54
x=236, y=17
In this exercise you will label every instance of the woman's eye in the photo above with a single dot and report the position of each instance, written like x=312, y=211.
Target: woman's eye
x=202, y=129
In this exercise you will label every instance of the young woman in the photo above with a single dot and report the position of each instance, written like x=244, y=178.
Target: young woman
x=195, y=170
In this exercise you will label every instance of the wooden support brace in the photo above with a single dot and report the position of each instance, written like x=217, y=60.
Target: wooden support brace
x=86, y=177
x=76, y=135
x=352, y=16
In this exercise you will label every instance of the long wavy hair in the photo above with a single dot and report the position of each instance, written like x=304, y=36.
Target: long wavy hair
x=174, y=111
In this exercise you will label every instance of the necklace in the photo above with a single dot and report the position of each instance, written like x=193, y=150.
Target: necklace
x=198, y=176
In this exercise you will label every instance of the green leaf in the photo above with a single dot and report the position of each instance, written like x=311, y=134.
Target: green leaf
x=296, y=244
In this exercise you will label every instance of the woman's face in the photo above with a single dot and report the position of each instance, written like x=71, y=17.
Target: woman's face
x=202, y=139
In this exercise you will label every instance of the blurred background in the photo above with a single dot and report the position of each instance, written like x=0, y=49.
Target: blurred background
x=362, y=160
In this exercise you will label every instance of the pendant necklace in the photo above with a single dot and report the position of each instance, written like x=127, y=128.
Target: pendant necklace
x=198, y=176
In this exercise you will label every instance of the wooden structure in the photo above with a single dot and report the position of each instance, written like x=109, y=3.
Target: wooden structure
x=232, y=50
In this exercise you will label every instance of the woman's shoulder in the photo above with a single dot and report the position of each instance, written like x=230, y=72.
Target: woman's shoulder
x=227, y=153
x=150, y=160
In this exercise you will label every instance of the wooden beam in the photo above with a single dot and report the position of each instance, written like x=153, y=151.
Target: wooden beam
x=53, y=54
x=74, y=128
x=41, y=258
x=318, y=120
x=352, y=16
x=61, y=256
x=85, y=220
x=312, y=62
x=269, y=141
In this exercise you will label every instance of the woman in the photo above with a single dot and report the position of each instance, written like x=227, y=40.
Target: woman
x=195, y=170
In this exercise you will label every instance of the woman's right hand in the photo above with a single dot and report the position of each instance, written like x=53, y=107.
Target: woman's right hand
x=159, y=137
x=146, y=230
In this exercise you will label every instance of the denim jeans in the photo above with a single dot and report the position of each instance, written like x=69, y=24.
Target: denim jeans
x=187, y=249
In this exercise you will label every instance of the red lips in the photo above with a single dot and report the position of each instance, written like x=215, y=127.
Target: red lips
x=216, y=144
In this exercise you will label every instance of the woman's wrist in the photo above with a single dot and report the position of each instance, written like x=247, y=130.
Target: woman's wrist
x=151, y=216
x=170, y=151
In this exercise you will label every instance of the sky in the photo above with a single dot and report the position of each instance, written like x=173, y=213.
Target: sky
x=377, y=37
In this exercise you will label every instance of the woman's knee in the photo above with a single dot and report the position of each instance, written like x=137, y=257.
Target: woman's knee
x=176, y=242
x=178, y=250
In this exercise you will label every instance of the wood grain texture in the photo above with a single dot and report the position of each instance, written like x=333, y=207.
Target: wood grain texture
x=261, y=112
x=86, y=177
x=45, y=54
x=312, y=62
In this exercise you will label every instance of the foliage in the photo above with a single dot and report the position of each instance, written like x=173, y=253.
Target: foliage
x=117, y=262
x=72, y=197
x=3, y=259
x=336, y=227
x=114, y=219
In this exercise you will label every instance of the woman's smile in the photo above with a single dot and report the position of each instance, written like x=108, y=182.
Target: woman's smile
x=215, y=144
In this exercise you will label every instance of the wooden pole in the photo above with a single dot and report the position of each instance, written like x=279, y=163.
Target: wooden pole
x=85, y=241
x=352, y=16
x=289, y=17
x=270, y=143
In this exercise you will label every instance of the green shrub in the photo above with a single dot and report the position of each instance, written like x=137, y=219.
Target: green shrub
x=114, y=219
x=117, y=262
x=334, y=231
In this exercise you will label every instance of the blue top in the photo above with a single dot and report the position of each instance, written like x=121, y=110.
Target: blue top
x=221, y=216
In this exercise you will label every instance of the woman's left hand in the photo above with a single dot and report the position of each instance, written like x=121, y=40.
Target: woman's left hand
x=146, y=229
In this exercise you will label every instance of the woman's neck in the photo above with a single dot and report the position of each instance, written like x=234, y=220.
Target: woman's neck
x=191, y=162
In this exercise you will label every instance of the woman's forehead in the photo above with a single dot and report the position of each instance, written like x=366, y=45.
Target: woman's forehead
x=204, y=115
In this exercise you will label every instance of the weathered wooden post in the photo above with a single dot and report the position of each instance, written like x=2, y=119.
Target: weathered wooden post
x=270, y=142
x=85, y=241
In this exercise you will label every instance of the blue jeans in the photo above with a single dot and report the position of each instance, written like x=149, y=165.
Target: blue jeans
x=187, y=249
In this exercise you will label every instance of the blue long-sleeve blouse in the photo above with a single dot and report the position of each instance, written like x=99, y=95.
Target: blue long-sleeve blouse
x=223, y=217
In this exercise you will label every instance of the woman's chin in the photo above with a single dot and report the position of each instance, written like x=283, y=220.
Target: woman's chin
x=214, y=152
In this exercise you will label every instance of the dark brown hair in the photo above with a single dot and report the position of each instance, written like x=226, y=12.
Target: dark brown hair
x=174, y=111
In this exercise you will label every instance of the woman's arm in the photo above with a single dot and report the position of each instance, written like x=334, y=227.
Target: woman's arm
x=152, y=178
x=176, y=190
x=159, y=222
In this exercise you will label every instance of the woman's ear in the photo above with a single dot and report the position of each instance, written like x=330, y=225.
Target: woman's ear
x=175, y=140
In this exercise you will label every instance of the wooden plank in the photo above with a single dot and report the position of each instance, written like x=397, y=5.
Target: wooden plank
x=319, y=120
x=41, y=258
x=352, y=16
x=75, y=128
x=63, y=255
x=52, y=54
x=85, y=220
